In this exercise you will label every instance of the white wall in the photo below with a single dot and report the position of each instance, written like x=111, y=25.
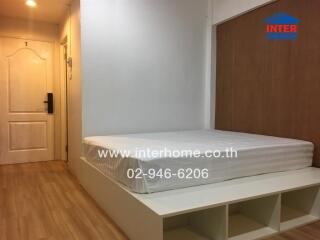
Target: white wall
x=143, y=65
x=33, y=30
x=226, y=9
x=146, y=65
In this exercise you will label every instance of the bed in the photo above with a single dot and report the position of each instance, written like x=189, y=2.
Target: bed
x=271, y=185
x=256, y=154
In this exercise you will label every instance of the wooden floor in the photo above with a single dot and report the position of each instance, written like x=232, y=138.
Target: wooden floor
x=309, y=232
x=44, y=201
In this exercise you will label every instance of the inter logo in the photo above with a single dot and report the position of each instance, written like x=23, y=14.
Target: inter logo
x=282, y=26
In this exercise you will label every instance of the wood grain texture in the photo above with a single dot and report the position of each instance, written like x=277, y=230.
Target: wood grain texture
x=43, y=201
x=270, y=87
x=308, y=232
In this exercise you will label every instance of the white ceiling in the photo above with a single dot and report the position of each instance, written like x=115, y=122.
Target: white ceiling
x=52, y=11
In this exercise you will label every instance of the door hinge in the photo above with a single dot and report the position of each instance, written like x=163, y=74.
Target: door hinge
x=67, y=148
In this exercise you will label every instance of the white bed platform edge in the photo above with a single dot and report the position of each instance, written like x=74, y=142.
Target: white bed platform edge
x=241, y=209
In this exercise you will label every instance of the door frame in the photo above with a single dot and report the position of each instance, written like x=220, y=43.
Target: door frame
x=64, y=75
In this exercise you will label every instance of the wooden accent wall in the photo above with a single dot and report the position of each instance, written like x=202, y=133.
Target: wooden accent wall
x=270, y=87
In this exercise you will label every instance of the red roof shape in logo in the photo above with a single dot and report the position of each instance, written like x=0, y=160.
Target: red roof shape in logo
x=281, y=18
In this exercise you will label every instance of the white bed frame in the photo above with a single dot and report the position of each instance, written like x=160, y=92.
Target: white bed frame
x=242, y=209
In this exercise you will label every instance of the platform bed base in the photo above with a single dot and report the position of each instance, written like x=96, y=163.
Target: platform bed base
x=243, y=209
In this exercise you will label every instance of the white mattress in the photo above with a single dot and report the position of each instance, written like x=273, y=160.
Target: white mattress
x=256, y=155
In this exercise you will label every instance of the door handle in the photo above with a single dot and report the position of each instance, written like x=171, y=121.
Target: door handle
x=50, y=103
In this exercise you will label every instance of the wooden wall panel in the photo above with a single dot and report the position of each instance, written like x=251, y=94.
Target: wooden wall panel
x=270, y=87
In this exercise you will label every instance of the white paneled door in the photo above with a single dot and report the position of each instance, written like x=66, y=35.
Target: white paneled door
x=26, y=76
